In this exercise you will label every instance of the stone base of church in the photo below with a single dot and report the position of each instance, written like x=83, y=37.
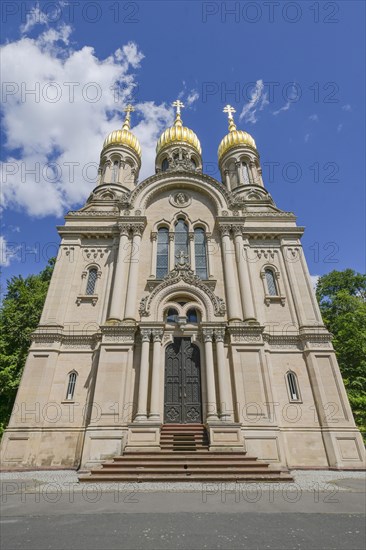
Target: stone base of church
x=225, y=437
x=102, y=443
x=143, y=436
x=306, y=448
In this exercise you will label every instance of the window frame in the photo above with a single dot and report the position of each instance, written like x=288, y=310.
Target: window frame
x=202, y=231
x=295, y=383
x=71, y=382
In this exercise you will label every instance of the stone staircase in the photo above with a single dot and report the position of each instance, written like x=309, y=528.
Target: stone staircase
x=185, y=456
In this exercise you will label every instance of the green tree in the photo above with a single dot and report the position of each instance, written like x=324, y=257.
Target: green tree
x=19, y=316
x=342, y=299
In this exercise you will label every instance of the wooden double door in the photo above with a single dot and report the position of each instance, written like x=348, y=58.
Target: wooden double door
x=182, y=389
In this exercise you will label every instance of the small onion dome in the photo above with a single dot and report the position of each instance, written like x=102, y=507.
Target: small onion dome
x=178, y=134
x=124, y=136
x=234, y=137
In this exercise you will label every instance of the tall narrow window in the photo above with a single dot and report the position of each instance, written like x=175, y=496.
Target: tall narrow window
x=115, y=171
x=181, y=240
x=92, y=279
x=293, y=387
x=271, y=282
x=165, y=165
x=162, y=253
x=245, y=173
x=200, y=253
x=71, y=385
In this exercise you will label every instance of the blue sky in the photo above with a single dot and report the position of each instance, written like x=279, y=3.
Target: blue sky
x=294, y=71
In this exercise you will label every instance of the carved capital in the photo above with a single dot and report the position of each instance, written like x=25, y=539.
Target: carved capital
x=157, y=335
x=154, y=236
x=171, y=235
x=191, y=235
x=237, y=230
x=219, y=334
x=124, y=229
x=224, y=230
x=137, y=229
x=145, y=335
x=207, y=334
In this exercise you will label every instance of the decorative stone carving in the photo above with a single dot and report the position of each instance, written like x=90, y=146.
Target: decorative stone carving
x=157, y=335
x=180, y=200
x=207, y=334
x=219, y=334
x=182, y=272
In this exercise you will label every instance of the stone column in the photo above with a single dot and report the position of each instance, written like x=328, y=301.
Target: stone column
x=192, y=257
x=154, y=240
x=155, y=382
x=239, y=172
x=171, y=251
x=243, y=271
x=224, y=391
x=116, y=309
x=252, y=173
x=260, y=178
x=208, y=254
x=227, y=179
x=130, y=309
x=210, y=376
x=141, y=415
x=230, y=282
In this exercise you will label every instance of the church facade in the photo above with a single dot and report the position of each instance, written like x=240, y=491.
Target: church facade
x=181, y=300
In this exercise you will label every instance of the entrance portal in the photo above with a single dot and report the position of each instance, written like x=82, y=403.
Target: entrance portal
x=182, y=387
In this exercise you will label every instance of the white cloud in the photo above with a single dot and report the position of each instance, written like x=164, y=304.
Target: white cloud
x=35, y=16
x=314, y=280
x=347, y=107
x=314, y=118
x=284, y=108
x=7, y=252
x=155, y=118
x=258, y=101
x=306, y=138
x=77, y=101
x=192, y=97
x=339, y=128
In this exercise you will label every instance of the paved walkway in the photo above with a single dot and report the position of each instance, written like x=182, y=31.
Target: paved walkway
x=50, y=510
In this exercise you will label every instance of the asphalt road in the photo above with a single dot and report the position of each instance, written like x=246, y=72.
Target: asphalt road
x=190, y=521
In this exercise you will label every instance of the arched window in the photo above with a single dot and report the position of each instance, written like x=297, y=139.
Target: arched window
x=71, y=385
x=192, y=316
x=200, y=253
x=245, y=173
x=165, y=165
x=162, y=253
x=193, y=163
x=115, y=171
x=293, y=386
x=92, y=279
x=171, y=316
x=271, y=282
x=181, y=240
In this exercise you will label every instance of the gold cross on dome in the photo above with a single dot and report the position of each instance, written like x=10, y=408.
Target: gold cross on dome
x=178, y=104
x=229, y=110
x=129, y=108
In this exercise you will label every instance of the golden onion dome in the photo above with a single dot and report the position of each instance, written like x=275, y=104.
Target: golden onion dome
x=234, y=137
x=178, y=133
x=124, y=136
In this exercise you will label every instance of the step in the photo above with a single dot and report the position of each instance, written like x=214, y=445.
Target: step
x=205, y=471
x=197, y=455
x=264, y=478
x=175, y=463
